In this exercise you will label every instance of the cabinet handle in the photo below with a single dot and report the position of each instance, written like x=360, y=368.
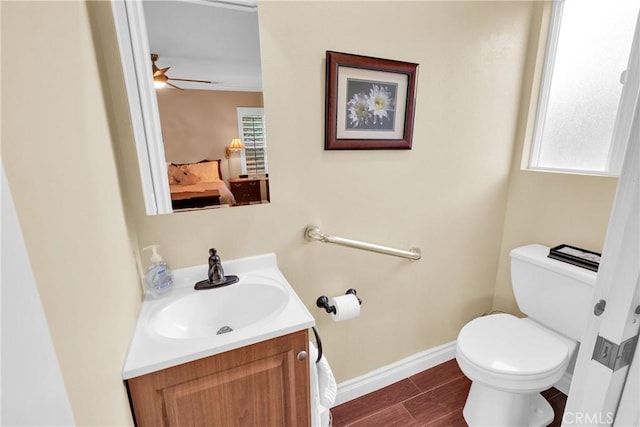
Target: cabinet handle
x=302, y=355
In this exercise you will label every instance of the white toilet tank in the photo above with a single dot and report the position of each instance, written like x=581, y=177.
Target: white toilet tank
x=553, y=293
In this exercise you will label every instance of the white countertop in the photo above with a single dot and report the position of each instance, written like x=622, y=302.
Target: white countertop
x=150, y=352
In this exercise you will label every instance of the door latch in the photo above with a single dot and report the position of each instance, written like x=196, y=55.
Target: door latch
x=614, y=356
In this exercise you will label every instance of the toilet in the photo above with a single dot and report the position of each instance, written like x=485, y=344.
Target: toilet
x=510, y=360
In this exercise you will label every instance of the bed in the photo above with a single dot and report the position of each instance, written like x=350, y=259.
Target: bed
x=197, y=185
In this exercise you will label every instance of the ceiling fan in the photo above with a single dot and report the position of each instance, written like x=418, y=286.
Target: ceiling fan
x=160, y=78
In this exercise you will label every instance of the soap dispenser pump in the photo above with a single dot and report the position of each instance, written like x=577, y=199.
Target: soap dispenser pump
x=158, y=278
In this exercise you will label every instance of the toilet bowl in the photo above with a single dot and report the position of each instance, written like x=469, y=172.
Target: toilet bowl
x=510, y=360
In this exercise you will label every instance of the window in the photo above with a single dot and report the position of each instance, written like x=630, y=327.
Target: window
x=578, y=127
x=252, y=133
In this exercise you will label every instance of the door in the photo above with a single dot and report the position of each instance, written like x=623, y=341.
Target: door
x=596, y=389
x=33, y=390
x=629, y=409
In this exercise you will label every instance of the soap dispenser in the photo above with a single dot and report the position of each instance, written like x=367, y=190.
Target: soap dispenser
x=158, y=278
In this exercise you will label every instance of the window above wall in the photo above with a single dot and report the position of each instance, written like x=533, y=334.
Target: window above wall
x=589, y=82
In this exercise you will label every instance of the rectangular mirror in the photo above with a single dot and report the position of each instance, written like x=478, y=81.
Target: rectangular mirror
x=192, y=70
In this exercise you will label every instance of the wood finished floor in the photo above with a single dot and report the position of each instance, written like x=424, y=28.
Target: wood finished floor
x=433, y=398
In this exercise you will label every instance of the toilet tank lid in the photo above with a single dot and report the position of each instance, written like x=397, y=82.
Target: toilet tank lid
x=537, y=254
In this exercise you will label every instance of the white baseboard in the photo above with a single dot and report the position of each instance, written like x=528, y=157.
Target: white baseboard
x=397, y=371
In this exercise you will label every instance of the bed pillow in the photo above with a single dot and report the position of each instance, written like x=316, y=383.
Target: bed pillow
x=188, y=177
x=174, y=173
x=205, y=171
x=182, y=175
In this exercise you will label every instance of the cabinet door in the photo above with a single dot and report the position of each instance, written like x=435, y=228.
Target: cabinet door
x=246, y=191
x=259, y=385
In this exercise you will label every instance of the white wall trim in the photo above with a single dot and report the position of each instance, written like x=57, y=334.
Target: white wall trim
x=397, y=371
x=131, y=31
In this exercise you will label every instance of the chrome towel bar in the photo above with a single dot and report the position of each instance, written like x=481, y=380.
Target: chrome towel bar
x=312, y=232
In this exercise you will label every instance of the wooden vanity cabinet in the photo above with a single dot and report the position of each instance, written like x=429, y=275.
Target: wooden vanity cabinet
x=263, y=384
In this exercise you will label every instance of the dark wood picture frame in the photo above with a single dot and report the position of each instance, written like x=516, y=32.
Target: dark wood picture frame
x=370, y=103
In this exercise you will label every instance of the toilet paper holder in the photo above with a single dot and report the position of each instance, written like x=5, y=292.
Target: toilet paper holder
x=323, y=301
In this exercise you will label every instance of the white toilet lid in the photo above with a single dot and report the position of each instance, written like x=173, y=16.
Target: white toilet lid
x=505, y=344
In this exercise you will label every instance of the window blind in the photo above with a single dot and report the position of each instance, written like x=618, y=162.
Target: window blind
x=252, y=133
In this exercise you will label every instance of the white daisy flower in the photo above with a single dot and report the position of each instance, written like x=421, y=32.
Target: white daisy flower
x=358, y=110
x=380, y=103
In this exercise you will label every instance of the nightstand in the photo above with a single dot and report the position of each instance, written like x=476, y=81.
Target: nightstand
x=245, y=190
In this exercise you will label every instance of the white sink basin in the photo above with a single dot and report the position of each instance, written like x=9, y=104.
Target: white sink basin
x=216, y=311
x=183, y=325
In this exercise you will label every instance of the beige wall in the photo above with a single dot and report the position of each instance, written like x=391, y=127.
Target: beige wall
x=447, y=195
x=58, y=155
x=198, y=124
x=547, y=208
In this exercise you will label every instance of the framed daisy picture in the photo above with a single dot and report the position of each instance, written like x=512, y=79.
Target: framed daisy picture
x=370, y=103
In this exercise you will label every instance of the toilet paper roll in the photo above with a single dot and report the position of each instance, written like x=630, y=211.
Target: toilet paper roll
x=347, y=307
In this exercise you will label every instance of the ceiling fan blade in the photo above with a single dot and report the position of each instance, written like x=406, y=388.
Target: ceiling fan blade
x=189, y=80
x=174, y=86
x=160, y=76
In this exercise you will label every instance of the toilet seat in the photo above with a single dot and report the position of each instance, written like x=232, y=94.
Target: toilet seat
x=511, y=353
